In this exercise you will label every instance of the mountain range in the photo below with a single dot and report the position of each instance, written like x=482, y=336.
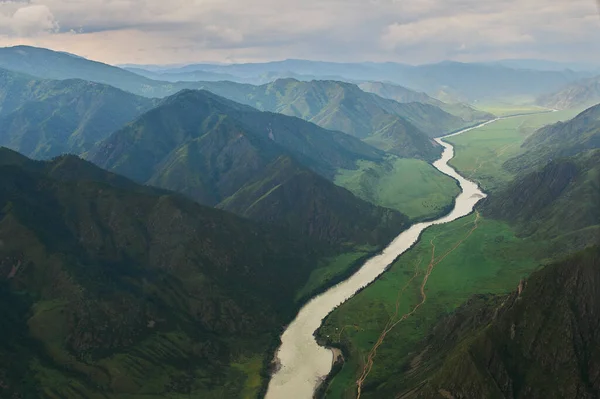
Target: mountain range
x=258, y=164
x=581, y=93
x=386, y=124
x=466, y=82
x=403, y=95
x=46, y=118
x=111, y=288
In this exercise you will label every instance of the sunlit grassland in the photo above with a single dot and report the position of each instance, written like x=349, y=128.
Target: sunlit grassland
x=410, y=186
x=490, y=260
x=480, y=153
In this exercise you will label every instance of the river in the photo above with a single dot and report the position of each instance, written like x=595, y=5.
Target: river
x=303, y=363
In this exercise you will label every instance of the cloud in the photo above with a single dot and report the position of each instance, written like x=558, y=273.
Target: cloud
x=28, y=20
x=154, y=31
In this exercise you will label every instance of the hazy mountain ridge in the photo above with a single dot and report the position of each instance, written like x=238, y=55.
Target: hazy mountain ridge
x=405, y=95
x=46, y=118
x=470, y=81
x=577, y=94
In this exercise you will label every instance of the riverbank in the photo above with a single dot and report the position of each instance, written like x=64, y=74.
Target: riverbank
x=303, y=362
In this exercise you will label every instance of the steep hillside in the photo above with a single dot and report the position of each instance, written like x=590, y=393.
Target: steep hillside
x=45, y=118
x=562, y=139
x=577, y=94
x=287, y=193
x=541, y=341
x=404, y=95
x=319, y=101
x=344, y=107
x=558, y=202
x=211, y=149
x=110, y=292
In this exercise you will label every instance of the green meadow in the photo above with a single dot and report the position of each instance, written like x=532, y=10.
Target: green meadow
x=469, y=257
x=480, y=153
x=449, y=264
x=410, y=186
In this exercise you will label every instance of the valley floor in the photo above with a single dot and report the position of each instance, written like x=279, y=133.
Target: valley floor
x=380, y=326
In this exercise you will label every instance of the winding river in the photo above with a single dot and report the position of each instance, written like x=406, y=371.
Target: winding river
x=303, y=363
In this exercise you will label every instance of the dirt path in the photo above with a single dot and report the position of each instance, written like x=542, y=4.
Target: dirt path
x=391, y=324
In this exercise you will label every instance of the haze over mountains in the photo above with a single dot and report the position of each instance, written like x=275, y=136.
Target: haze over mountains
x=160, y=226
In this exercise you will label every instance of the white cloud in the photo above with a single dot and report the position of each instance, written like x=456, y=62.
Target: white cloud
x=28, y=20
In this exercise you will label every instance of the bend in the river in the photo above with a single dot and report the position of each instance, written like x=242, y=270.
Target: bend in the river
x=303, y=363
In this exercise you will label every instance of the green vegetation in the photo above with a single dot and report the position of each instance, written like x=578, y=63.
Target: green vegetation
x=219, y=153
x=481, y=153
x=490, y=260
x=385, y=124
x=44, y=119
x=410, y=186
x=404, y=95
x=114, y=290
x=333, y=270
x=500, y=108
x=534, y=343
x=532, y=217
x=562, y=139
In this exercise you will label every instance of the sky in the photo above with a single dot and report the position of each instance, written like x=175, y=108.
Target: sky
x=408, y=31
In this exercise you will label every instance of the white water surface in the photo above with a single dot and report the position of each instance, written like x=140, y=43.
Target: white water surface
x=303, y=363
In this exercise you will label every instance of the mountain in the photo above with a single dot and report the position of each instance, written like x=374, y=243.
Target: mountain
x=48, y=64
x=114, y=290
x=558, y=202
x=46, y=118
x=468, y=82
x=287, y=193
x=546, y=65
x=384, y=123
x=540, y=341
x=229, y=155
x=404, y=95
x=577, y=94
x=192, y=76
x=561, y=139
x=557, y=188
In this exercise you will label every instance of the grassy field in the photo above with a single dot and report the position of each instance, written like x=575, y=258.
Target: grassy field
x=512, y=107
x=468, y=256
x=481, y=152
x=411, y=186
x=381, y=325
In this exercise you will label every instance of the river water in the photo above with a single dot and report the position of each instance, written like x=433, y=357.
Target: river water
x=303, y=363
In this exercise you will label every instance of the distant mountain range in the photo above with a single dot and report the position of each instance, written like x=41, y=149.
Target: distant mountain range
x=403, y=95
x=475, y=81
x=467, y=82
x=577, y=94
